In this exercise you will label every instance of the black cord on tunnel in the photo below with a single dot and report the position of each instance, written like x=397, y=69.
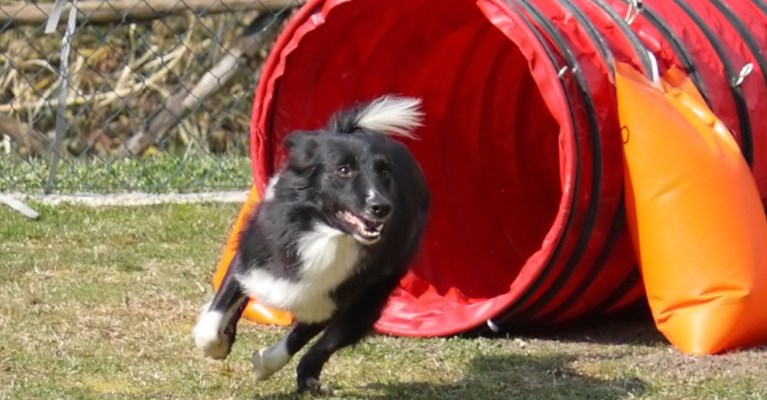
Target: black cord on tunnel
x=761, y=5
x=631, y=37
x=607, y=56
x=591, y=31
x=685, y=58
x=553, y=59
x=596, y=145
x=614, y=233
x=551, y=55
x=745, y=35
x=634, y=278
x=619, y=218
x=741, y=108
x=618, y=226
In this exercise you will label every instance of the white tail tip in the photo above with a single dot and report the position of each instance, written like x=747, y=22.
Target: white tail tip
x=397, y=116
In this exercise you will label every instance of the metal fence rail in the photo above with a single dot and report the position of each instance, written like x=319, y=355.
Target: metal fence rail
x=127, y=95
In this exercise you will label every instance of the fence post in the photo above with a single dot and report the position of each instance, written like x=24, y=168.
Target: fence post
x=61, y=121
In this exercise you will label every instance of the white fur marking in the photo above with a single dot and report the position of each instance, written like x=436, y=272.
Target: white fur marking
x=327, y=254
x=267, y=361
x=269, y=192
x=297, y=297
x=394, y=115
x=328, y=257
x=208, y=336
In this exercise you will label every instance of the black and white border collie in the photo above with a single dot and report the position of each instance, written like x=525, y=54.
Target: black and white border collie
x=338, y=226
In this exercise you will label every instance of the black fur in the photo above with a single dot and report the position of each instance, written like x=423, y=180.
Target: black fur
x=341, y=168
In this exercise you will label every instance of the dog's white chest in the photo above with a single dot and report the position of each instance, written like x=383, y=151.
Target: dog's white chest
x=328, y=258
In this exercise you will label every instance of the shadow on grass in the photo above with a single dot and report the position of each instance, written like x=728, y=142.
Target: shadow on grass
x=633, y=327
x=529, y=377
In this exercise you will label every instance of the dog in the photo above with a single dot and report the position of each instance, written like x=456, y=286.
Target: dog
x=337, y=228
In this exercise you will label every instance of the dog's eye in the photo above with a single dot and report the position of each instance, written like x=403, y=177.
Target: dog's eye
x=344, y=171
x=383, y=168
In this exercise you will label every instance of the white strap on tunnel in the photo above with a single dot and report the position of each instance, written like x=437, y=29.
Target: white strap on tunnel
x=635, y=7
x=744, y=72
x=655, y=69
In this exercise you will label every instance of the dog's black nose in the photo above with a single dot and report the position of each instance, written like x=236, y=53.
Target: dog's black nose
x=378, y=208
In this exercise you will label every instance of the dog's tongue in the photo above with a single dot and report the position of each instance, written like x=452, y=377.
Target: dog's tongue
x=361, y=224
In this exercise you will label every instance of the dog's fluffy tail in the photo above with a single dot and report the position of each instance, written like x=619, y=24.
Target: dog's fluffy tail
x=391, y=115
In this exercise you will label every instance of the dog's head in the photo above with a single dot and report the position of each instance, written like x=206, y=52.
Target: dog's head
x=346, y=172
x=348, y=178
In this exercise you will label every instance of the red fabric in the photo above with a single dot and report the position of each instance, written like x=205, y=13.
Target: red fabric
x=509, y=236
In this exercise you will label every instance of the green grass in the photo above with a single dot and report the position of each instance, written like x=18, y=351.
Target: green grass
x=99, y=304
x=160, y=174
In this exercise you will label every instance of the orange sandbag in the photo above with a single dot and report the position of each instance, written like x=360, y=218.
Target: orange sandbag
x=254, y=311
x=695, y=217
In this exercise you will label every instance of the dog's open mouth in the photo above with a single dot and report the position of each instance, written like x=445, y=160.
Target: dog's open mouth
x=363, y=230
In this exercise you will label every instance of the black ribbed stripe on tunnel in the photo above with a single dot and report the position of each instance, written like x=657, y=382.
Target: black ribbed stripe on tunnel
x=591, y=31
x=600, y=309
x=746, y=139
x=636, y=44
x=591, y=211
x=619, y=224
x=679, y=49
x=598, y=265
x=553, y=59
x=745, y=34
x=761, y=5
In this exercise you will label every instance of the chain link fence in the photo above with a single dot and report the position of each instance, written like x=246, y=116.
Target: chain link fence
x=130, y=95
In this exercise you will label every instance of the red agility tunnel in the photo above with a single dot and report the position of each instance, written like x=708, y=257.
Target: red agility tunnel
x=521, y=148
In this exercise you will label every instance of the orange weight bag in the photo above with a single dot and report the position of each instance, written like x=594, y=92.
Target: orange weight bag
x=695, y=217
x=254, y=311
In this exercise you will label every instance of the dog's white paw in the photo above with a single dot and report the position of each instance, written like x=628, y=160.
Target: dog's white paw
x=209, y=338
x=269, y=360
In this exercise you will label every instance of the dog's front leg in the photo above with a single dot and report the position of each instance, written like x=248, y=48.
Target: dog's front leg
x=269, y=360
x=346, y=328
x=216, y=326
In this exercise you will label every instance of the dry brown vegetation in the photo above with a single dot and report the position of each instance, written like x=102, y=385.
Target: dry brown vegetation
x=123, y=80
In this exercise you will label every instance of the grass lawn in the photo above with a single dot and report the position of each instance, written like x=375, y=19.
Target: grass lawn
x=161, y=174
x=99, y=304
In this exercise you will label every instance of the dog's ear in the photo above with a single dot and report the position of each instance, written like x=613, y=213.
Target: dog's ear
x=302, y=150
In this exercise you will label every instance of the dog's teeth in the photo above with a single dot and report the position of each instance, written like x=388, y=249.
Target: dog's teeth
x=365, y=229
